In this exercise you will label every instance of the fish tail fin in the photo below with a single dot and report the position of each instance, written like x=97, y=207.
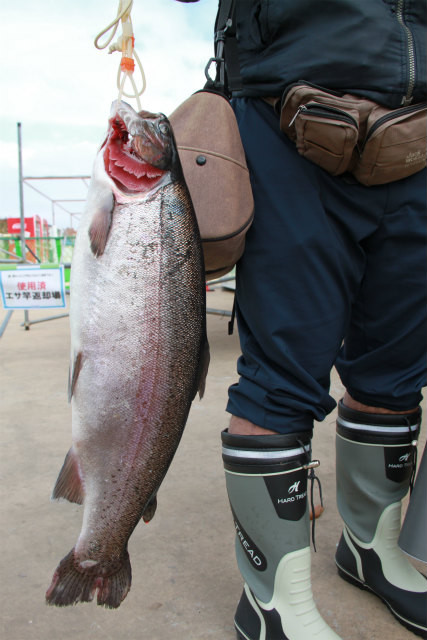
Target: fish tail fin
x=71, y=584
x=68, y=484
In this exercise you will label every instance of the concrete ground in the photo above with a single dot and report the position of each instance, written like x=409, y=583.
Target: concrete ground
x=185, y=582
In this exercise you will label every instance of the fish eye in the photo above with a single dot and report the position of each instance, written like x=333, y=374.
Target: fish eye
x=164, y=128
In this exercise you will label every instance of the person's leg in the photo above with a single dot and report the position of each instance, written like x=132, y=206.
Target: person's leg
x=267, y=477
x=296, y=283
x=383, y=365
x=240, y=426
x=243, y=427
x=297, y=280
x=375, y=457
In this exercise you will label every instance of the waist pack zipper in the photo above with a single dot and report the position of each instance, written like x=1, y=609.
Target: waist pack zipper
x=324, y=111
x=391, y=116
x=304, y=83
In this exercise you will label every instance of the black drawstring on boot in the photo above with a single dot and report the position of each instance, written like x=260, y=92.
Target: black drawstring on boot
x=414, y=457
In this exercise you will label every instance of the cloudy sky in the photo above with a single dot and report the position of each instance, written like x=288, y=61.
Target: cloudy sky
x=60, y=87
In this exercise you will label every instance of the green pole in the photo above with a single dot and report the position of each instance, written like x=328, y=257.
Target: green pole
x=58, y=248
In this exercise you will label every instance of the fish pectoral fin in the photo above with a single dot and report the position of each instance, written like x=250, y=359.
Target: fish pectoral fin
x=74, y=374
x=150, y=510
x=69, y=484
x=101, y=224
x=203, y=369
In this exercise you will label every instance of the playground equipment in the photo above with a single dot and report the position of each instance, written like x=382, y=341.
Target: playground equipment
x=18, y=251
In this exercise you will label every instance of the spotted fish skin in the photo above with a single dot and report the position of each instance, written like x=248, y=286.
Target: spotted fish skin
x=138, y=348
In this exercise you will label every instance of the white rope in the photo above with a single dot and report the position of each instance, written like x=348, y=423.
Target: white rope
x=125, y=43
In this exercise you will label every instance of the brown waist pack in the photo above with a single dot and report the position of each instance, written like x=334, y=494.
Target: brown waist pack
x=344, y=133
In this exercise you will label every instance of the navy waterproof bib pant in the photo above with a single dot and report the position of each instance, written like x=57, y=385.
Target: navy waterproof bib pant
x=333, y=274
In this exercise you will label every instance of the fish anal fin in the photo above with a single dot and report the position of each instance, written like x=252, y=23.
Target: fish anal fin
x=204, y=366
x=74, y=374
x=69, y=484
x=75, y=581
x=101, y=224
x=150, y=510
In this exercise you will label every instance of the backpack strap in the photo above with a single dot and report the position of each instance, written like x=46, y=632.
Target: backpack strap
x=226, y=54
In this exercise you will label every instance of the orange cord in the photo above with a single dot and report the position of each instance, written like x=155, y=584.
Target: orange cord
x=127, y=64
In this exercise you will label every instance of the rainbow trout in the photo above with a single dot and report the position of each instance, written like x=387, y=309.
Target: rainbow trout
x=139, y=351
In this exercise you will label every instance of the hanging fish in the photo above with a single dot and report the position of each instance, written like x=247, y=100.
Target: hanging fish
x=139, y=348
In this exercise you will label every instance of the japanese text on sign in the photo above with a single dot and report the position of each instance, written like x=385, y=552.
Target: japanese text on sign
x=32, y=288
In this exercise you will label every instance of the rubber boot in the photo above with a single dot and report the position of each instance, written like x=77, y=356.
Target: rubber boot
x=266, y=478
x=375, y=465
x=413, y=534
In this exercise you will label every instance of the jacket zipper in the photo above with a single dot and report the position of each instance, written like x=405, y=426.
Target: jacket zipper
x=411, y=53
x=324, y=111
x=391, y=116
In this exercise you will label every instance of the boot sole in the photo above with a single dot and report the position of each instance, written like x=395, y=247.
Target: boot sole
x=348, y=577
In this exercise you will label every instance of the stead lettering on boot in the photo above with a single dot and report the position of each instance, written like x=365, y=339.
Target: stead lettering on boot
x=253, y=553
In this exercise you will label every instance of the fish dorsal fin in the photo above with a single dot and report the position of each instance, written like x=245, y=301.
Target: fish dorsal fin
x=101, y=224
x=68, y=484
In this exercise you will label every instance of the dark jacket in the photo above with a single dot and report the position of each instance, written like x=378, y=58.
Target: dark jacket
x=372, y=48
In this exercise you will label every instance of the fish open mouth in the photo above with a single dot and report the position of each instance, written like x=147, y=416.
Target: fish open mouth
x=124, y=164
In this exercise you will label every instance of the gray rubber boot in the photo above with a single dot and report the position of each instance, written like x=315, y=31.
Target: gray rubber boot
x=375, y=465
x=266, y=479
x=413, y=534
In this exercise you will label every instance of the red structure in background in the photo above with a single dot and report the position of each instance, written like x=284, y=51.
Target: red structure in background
x=36, y=229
